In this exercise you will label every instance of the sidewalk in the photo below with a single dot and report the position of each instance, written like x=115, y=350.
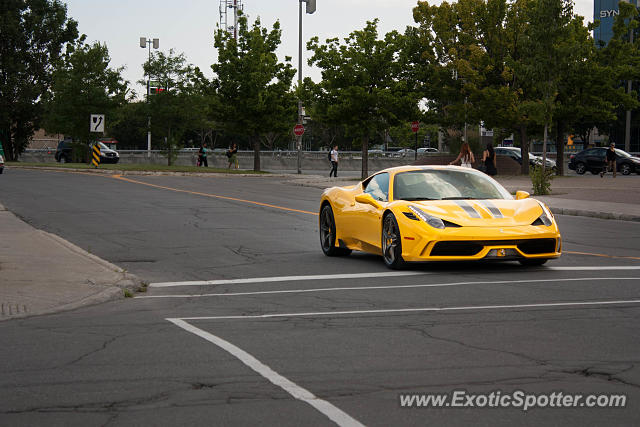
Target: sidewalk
x=42, y=273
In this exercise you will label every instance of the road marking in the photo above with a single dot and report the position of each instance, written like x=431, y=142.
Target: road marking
x=601, y=255
x=287, y=279
x=594, y=268
x=335, y=414
x=215, y=196
x=357, y=276
x=419, y=310
x=367, y=288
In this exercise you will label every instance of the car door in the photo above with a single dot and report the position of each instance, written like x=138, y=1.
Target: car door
x=368, y=223
x=595, y=158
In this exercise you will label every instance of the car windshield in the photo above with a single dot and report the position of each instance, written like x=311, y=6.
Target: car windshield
x=102, y=146
x=446, y=184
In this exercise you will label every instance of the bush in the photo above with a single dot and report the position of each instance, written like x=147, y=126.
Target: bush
x=541, y=180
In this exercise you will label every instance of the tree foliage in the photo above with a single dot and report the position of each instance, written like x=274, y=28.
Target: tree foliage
x=33, y=35
x=362, y=85
x=82, y=85
x=253, y=88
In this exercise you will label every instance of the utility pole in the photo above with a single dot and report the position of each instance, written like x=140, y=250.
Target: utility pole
x=627, y=127
x=311, y=7
x=144, y=42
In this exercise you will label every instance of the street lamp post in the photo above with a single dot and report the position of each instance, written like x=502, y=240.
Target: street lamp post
x=144, y=42
x=311, y=7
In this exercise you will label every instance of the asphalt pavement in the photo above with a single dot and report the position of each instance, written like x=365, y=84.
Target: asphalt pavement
x=245, y=322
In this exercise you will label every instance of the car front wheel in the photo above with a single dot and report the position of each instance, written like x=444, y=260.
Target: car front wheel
x=581, y=168
x=328, y=233
x=392, y=243
x=625, y=169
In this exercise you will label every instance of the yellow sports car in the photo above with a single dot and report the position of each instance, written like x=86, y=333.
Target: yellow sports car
x=436, y=213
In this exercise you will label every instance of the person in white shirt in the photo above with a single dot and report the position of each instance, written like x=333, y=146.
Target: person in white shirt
x=465, y=157
x=334, y=162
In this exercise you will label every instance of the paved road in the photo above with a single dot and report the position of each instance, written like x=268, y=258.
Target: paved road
x=339, y=349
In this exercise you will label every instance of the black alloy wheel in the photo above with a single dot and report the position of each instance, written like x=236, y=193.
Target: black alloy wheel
x=625, y=169
x=391, y=243
x=581, y=168
x=328, y=233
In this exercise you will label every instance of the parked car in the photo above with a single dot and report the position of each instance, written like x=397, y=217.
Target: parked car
x=424, y=150
x=515, y=154
x=594, y=161
x=63, y=151
x=404, y=152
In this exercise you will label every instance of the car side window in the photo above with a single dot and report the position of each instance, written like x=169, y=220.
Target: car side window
x=378, y=187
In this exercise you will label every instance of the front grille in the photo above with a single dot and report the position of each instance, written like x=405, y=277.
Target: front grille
x=472, y=247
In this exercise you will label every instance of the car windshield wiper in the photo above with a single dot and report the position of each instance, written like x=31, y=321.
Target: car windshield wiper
x=458, y=198
x=410, y=199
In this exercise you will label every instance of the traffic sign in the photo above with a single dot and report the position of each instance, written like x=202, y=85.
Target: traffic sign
x=96, y=123
x=415, y=126
x=298, y=130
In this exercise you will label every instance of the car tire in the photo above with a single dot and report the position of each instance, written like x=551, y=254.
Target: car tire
x=1, y=170
x=391, y=243
x=328, y=233
x=625, y=169
x=581, y=168
x=532, y=262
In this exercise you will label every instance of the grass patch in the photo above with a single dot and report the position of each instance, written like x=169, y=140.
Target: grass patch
x=128, y=294
x=135, y=167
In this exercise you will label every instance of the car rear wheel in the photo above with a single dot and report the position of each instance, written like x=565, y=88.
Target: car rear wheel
x=625, y=169
x=328, y=233
x=532, y=262
x=581, y=168
x=392, y=243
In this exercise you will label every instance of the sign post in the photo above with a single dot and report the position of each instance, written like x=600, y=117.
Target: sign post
x=415, y=126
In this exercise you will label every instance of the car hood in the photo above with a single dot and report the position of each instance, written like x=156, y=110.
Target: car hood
x=483, y=213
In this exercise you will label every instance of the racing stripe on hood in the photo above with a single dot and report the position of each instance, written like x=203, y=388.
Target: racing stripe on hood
x=493, y=209
x=468, y=209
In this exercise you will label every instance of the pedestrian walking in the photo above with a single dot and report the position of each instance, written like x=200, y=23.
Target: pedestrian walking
x=465, y=157
x=489, y=160
x=232, y=154
x=610, y=161
x=333, y=155
x=202, y=156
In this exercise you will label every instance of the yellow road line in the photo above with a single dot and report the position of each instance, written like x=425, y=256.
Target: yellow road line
x=601, y=255
x=215, y=196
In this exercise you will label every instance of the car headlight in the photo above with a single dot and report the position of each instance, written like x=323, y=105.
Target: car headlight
x=546, y=218
x=431, y=220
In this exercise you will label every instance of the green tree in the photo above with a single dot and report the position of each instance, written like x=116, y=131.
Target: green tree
x=83, y=84
x=253, y=89
x=362, y=85
x=33, y=34
x=181, y=105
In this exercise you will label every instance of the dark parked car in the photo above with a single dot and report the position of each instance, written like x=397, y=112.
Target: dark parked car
x=63, y=152
x=593, y=160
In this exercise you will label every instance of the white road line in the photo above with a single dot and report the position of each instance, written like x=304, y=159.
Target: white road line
x=335, y=414
x=593, y=268
x=367, y=288
x=360, y=276
x=287, y=279
x=418, y=310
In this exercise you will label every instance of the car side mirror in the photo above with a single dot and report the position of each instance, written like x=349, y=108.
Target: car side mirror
x=521, y=195
x=367, y=199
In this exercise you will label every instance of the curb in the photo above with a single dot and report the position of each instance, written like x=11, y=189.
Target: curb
x=148, y=173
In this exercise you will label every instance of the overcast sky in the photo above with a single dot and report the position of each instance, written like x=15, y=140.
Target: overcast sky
x=187, y=26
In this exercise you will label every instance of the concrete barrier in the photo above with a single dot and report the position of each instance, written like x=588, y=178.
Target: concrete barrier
x=284, y=160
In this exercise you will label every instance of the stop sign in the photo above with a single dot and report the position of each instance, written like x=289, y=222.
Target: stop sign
x=415, y=126
x=298, y=130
